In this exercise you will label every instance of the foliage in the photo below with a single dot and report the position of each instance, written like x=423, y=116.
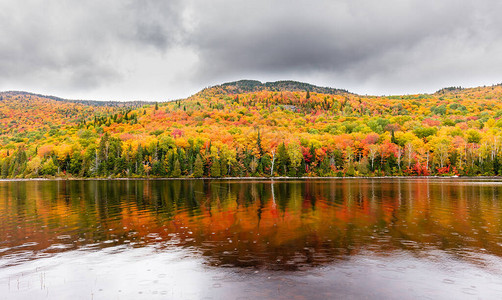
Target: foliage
x=243, y=128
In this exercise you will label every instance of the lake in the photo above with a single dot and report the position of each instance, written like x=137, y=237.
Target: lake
x=251, y=239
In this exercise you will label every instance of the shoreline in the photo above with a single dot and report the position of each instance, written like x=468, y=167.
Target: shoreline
x=281, y=178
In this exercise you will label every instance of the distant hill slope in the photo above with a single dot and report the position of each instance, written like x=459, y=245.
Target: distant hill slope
x=131, y=104
x=22, y=112
x=248, y=86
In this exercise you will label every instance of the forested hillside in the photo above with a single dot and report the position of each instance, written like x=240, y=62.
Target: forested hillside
x=249, y=128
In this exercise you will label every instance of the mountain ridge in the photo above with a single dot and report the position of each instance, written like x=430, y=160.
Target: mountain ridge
x=246, y=86
x=243, y=86
x=109, y=103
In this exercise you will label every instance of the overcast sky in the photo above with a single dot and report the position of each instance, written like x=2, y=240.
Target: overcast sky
x=160, y=50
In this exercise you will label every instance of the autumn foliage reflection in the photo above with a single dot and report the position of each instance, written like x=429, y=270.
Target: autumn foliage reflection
x=260, y=224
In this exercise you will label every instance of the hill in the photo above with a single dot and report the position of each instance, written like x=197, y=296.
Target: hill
x=24, y=113
x=249, y=86
x=249, y=128
x=27, y=95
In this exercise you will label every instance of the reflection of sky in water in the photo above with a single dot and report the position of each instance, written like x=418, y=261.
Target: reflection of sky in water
x=149, y=273
x=412, y=237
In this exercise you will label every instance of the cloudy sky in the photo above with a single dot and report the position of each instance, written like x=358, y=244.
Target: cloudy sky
x=160, y=50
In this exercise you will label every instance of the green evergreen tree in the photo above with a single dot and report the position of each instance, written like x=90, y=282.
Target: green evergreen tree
x=282, y=159
x=103, y=150
x=224, y=166
x=168, y=162
x=198, y=170
x=177, y=169
x=215, y=168
x=18, y=165
x=5, y=167
x=139, y=169
x=312, y=153
x=258, y=144
x=265, y=164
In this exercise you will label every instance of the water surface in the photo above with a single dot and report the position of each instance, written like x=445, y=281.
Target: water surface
x=217, y=239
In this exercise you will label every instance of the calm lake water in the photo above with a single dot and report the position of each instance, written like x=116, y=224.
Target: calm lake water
x=217, y=239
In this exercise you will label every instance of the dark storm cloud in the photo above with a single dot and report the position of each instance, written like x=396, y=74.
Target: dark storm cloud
x=157, y=49
x=345, y=40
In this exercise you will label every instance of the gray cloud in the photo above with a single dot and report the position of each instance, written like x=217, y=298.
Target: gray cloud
x=167, y=49
x=355, y=43
x=79, y=44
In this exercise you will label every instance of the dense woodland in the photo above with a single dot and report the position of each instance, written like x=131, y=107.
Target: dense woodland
x=247, y=128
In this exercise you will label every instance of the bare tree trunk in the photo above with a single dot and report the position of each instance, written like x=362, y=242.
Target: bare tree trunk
x=409, y=153
x=399, y=155
x=97, y=162
x=273, y=161
x=427, y=159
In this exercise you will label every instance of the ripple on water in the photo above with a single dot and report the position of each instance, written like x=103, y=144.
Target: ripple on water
x=29, y=244
x=59, y=247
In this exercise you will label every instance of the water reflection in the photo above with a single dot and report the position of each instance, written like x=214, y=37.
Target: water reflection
x=284, y=225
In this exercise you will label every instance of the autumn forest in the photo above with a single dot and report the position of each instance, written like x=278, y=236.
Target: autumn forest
x=254, y=129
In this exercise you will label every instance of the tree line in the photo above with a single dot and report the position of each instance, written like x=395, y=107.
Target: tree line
x=109, y=158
